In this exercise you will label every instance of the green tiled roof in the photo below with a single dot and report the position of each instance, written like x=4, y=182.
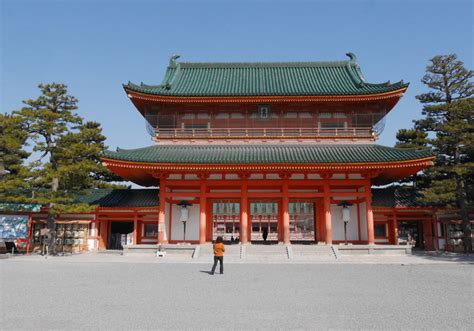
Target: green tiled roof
x=264, y=79
x=120, y=198
x=266, y=154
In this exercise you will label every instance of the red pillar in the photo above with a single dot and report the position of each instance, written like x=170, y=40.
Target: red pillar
x=103, y=234
x=135, y=227
x=436, y=239
x=327, y=213
x=30, y=225
x=286, y=213
x=428, y=235
x=370, y=215
x=394, y=228
x=244, y=218
x=161, y=214
x=202, y=208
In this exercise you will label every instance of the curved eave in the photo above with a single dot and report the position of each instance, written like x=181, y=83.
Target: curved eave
x=265, y=99
x=147, y=174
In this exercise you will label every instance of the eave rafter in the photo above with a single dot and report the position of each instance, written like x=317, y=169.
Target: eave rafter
x=334, y=167
x=265, y=99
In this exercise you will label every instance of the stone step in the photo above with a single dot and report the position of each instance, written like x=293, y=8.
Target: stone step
x=304, y=250
x=266, y=249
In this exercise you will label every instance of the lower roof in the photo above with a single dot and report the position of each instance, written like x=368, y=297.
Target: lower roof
x=385, y=164
x=266, y=154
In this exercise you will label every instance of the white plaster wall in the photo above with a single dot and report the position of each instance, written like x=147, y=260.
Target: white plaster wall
x=297, y=176
x=338, y=224
x=314, y=176
x=93, y=230
x=363, y=221
x=273, y=176
x=91, y=244
x=441, y=243
x=192, y=225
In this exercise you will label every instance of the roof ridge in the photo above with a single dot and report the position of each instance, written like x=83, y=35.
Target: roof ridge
x=265, y=64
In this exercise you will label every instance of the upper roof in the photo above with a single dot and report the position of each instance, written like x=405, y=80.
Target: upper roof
x=334, y=78
x=267, y=154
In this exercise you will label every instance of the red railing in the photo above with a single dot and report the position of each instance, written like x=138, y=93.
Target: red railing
x=255, y=133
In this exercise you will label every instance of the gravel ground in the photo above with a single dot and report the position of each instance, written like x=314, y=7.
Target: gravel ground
x=47, y=294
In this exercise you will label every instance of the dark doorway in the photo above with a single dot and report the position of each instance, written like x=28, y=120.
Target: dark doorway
x=411, y=229
x=119, y=234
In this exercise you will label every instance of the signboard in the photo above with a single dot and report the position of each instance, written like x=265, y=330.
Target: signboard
x=13, y=226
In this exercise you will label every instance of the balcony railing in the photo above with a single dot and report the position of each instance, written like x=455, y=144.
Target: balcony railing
x=264, y=133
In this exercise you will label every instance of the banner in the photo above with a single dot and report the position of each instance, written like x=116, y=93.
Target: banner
x=13, y=226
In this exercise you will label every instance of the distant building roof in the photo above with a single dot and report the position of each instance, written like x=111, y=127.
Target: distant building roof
x=120, y=197
x=332, y=78
x=396, y=196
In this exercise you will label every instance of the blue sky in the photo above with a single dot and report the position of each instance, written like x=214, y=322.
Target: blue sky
x=95, y=46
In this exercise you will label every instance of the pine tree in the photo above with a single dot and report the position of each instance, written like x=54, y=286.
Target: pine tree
x=13, y=137
x=69, y=152
x=448, y=129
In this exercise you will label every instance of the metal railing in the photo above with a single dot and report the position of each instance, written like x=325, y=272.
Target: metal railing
x=255, y=133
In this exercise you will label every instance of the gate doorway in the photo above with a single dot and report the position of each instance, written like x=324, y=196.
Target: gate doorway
x=264, y=218
x=121, y=233
x=226, y=220
x=302, y=221
x=411, y=230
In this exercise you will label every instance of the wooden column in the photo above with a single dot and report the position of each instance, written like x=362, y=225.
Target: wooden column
x=103, y=235
x=202, y=209
x=436, y=239
x=135, y=227
x=370, y=215
x=327, y=213
x=244, y=217
x=285, y=210
x=29, y=237
x=394, y=228
x=161, y=213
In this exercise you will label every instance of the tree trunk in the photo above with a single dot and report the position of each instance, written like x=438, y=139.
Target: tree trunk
x=466, y=223
x=51, y=223
x=51, y=226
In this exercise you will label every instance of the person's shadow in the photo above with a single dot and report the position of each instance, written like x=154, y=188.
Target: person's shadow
x=206, y=272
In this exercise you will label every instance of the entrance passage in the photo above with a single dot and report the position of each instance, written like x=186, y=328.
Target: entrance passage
x=302, y=220
x=121, y=234
x=226, y=220
x=264, y=218
x=410, y=232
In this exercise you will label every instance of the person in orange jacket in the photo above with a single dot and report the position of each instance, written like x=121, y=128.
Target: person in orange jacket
x=219, y=250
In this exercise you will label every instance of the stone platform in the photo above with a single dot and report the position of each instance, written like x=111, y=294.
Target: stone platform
x=274, y=253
